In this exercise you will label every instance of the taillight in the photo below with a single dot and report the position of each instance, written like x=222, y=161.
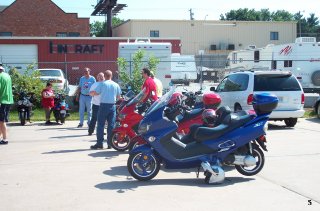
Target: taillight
x=167, y=76
x=250, y=99
x=62, y=107
x=302, y=98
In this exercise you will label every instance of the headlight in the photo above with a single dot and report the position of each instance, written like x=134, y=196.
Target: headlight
x=143, y=128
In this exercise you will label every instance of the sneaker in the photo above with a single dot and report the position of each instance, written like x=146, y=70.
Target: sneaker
x=96, y=146
x=3, y=142
x=109, y=147
x=80, y=126
x=89, y=133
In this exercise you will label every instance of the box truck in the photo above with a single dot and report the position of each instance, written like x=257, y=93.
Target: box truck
x=183, y=68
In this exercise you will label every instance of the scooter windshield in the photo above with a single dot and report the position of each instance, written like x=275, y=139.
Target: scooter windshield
x=129, y=95
x=163, y=101
x=137, y=98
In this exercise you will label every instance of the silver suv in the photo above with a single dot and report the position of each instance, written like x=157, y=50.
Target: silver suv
x=237, y=89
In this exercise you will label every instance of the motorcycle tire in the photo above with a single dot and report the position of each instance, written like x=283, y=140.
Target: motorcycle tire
x=62, y=120
x=120, y=145
x=143, y=167
x=22, y=116
x=258, y=154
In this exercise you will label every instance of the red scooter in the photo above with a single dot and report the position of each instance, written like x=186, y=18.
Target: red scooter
x=127, y=122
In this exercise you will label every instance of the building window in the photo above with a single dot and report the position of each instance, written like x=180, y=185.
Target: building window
x=5, y=34
x=274, y=35
x=154, y=33
x=288, y=63
x=256, y=56
x=61, y=34
x=73, y=34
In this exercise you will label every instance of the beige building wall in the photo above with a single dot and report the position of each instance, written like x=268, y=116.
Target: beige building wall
x=200, y=35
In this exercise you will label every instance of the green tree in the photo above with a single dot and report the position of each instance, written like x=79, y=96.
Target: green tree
x=28, y=81
x=134, y=79
x=98, y=28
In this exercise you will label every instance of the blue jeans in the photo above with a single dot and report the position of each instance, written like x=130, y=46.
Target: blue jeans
x=93, y=121
x=107, y=112
x=84, y=103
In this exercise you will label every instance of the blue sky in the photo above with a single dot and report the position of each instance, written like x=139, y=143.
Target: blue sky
x=179, y=9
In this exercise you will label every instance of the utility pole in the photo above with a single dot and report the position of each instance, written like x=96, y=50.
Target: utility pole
x=191, y=14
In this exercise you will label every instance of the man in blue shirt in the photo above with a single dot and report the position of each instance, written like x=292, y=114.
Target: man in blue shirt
x=109, y=91
x=85, y=84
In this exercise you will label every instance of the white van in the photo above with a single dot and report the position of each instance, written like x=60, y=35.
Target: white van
x=183, y=68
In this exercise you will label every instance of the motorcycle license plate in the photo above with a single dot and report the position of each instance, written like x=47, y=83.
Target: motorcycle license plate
x=63, y=112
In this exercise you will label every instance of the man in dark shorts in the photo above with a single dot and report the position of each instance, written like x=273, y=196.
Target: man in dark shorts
x=6, y=99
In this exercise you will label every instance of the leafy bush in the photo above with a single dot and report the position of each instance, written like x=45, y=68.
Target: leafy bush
x=28, y=81
x=135, y=79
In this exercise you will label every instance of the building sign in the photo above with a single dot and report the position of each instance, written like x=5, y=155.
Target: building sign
x=75, y=48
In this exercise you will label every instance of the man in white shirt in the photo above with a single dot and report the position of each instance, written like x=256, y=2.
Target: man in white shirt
x=95, y=104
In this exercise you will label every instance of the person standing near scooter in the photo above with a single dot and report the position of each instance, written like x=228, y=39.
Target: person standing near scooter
x=47, y=101
x=84, y=98
x=149, y=85
x=95, y=104
x=110, y=91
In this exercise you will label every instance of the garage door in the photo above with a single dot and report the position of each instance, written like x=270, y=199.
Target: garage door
x=19, y=56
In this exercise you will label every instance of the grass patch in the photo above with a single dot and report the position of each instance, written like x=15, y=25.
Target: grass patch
x=38, y=115
x=309, y=113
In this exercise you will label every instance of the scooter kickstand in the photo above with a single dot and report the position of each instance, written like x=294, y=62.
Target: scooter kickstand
x=198, y=172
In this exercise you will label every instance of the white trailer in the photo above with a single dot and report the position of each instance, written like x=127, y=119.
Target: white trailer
x=183, y=68
x=302, y=58
x=161, y=51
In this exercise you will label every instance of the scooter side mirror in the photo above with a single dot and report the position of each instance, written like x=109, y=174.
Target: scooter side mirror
x=212, y=88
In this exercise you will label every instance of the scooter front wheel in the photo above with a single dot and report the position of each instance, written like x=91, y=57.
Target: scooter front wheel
x=253, y=170
x=143, y=166
x=120, y=142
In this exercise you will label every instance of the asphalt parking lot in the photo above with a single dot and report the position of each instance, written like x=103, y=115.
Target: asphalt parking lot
x=52, y=168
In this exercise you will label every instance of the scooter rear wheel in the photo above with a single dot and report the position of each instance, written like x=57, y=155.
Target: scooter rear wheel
x=253, y=170
x=143, y=166
x=120, y=144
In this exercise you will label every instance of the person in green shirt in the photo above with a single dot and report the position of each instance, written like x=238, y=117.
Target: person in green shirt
x=6, y=99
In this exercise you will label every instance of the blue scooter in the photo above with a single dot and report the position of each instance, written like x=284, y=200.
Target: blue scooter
x=236, y=141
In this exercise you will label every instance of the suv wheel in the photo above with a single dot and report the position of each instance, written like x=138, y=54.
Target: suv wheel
x=291, y=122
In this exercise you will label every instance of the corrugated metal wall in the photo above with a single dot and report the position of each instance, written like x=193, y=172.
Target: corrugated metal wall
x=200, y=35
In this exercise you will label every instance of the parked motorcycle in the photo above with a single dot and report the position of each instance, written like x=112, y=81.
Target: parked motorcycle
x=236, y=141
x=127, y=122
x=24, y=106
x=61, y=108
x=185, y=116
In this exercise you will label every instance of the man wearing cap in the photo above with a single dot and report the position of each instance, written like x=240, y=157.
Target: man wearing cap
x=6, y=99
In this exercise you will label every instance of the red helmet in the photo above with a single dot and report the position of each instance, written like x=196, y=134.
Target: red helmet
x=209, y=117
x=211, y=100
x=174, y=98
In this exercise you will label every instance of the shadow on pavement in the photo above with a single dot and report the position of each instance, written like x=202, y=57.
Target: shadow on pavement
x=279, y=127
x=66, y=151
x=317, y=120
x=131, y=184
x=68, y=136
x=104, y=153
x=62, y=128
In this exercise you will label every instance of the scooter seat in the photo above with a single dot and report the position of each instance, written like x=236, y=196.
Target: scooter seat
x=231, y=122
x=190, y=115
